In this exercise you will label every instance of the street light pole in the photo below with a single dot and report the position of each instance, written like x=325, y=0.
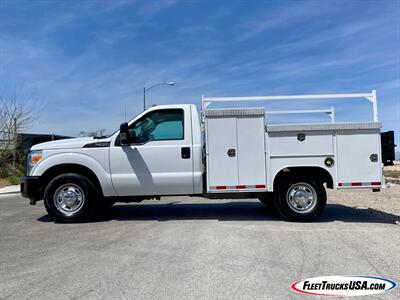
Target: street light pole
x=144, y=98
x=170, y=83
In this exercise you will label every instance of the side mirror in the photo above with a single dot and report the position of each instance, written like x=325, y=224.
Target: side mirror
x=124, y=134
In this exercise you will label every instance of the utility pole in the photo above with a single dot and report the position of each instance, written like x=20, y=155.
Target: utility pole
x=144, y=98
x=15, y=141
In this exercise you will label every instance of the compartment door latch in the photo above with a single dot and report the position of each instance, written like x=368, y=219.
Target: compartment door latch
x=373, y=157
x=231, y=152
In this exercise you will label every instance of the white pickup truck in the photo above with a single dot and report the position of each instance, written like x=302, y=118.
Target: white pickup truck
x=224, y=153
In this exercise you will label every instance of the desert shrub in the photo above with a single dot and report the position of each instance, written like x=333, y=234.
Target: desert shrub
x=14, y=179
x=4, y=171
x=7, y=171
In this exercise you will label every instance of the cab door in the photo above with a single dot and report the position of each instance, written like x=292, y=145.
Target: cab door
x=159, y=159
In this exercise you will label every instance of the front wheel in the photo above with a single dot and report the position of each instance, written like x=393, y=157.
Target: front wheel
x=300, y=199
x=70, y=198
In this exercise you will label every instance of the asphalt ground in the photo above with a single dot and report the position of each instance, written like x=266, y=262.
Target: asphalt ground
x=188, y=248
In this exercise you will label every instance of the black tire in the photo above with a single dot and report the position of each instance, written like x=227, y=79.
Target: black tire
x=288, y=208
x=104, y=204
x=268, y=200
x=84, y=190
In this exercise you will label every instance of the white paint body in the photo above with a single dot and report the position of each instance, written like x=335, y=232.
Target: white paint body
x=156, y=168
x=350, y=145
x=242, y=132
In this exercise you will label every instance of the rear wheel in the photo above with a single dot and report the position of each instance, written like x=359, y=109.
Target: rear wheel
x=268, y=200
x=70, y=198
x=300, y=199
x=104, y=204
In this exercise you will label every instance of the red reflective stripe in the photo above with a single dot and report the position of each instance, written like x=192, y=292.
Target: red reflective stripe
x=221, y=187
x=375, y=183
x=238, y=187
x=260, y=186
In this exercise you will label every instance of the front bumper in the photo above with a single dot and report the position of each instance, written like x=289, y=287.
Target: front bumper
x=31, y=188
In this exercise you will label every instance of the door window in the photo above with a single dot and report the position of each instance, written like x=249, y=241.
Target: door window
x=159, y=125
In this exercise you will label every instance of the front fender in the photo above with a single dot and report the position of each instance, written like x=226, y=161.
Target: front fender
x=85, y=160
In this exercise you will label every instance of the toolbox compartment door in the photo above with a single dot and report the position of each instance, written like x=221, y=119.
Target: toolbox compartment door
x=235, y=149
x=221, y=138
x=359, y=158
x=251, y=153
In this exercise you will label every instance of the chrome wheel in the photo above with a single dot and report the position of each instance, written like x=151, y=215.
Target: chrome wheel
x=69, y=199
x=301, y=197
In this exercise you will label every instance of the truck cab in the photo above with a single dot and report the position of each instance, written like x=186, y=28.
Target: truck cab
x=160, y=153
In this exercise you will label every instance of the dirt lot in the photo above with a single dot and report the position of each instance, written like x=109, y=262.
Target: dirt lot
x=3, y=182
x=392, y=173
x=385, y=203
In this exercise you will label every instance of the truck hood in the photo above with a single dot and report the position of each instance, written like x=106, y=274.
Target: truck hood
x=65, y=144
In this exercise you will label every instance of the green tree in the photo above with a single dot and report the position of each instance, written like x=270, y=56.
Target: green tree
x=98, y=132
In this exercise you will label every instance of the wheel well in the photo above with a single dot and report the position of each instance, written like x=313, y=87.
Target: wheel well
x=70, y=168
x=318, y=173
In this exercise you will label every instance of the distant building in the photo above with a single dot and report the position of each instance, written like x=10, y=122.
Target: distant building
x=27, y=140
x=24, y=142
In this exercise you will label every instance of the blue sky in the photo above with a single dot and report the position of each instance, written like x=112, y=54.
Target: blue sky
x=83, y=61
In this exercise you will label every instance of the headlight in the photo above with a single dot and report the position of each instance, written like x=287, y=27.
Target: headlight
x=34, y=157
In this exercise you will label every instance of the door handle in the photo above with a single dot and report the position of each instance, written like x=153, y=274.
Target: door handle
x=185, y=152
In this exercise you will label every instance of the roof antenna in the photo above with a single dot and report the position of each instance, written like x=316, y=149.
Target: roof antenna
x=125, y=112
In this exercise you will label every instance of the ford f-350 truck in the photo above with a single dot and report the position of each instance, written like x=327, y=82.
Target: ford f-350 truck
x=222, y=153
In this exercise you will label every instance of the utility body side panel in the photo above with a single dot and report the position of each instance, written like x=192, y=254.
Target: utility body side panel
x=350, y=146
x=286, y=151
x=287, y=144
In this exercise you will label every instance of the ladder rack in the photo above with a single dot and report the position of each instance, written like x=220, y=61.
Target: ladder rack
x=371, y=97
